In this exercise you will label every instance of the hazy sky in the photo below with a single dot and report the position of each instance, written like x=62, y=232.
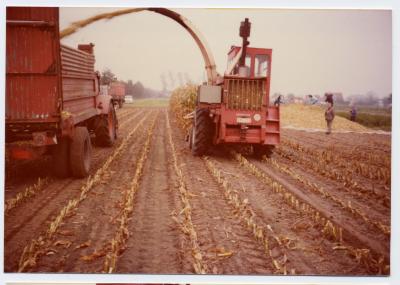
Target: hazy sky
x=314, y=51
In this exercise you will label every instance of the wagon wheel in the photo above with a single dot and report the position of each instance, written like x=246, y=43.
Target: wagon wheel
x=106, y=132
x=80, y=152
x=202, y=132
x=60, y=156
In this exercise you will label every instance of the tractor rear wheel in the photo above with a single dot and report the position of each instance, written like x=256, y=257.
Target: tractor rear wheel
x=80, y=153
x=260, y=150
x=202, y=132
x=106, y=132
x=60, y=157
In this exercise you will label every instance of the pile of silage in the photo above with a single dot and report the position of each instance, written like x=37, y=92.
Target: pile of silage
x=312, y=117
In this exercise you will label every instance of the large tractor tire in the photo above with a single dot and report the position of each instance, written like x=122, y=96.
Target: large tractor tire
x=260, y=150
x=80, y=153
x=106, y=130
x=202, y=132
x=60, y=157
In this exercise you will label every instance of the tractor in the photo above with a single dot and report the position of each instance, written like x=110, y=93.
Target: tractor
x=235, y=109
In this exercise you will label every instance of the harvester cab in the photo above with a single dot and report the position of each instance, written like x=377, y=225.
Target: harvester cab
x=236, y=110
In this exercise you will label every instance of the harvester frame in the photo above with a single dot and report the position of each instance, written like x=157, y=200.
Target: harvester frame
x=236, y=109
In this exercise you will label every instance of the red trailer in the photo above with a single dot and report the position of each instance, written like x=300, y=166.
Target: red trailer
x=236, y=110
x=117, y=92
x=53, y=103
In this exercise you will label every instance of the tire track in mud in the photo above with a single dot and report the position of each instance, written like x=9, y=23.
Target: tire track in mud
x=306, y=248
x=227, y=247
x=348, y=182
x=358, y=241
x=365, y=169
x=361, y=200
x=20, y=224
x=95, y=221
x=342, y=200
x=184, y=217
x=366, y=144
x=155, y=241
x=28, y=258
x=343, y=139
x=118, y=242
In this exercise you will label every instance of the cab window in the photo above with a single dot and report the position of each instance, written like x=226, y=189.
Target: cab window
x=261, y=65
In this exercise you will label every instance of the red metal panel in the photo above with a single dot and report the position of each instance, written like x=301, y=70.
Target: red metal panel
x=117, y=90
x=32, y=65
x=78, y=83
x=248, y=98
x=33, y=14
x=76, y=63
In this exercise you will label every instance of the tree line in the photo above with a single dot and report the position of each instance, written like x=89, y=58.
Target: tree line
x=136, y=90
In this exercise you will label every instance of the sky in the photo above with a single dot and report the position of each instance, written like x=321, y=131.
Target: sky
x=314, y=51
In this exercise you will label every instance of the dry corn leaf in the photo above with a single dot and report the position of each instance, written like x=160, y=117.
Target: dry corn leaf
x=93, y=256
x=51, y=252
x=85, y=244
x=66, y=233
x=276, y=264
x=192, y=195
x=65, y=243
x=340, y=247
x=222, y=252
x=198, y=256
x=225, y=254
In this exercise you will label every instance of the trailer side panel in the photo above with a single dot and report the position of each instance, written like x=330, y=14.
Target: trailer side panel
x=79, y=83
x=33, y=93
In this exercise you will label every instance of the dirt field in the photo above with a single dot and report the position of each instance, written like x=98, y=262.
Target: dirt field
x=321, y=205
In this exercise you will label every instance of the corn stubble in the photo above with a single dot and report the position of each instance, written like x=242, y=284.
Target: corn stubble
x=264, y=235
x=37, y=246
x=29, y=192
x=186, y=223
x=299, y=155
x=118, y=242
x=350, y=166
x=326, y=162
x=329, y=228
x=325, y=194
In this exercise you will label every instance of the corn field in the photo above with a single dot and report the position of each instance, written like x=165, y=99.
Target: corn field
x=319, y=206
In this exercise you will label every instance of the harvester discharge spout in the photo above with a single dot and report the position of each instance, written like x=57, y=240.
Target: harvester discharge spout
x=244, y=33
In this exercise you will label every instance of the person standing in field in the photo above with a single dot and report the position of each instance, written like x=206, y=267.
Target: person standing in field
x=353, y=113
x=278, y=100
x=329, y=113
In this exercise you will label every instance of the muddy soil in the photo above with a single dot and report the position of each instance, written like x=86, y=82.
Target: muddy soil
x=156, y=241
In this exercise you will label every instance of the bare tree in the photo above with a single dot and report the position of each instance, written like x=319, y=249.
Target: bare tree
x=107, y=76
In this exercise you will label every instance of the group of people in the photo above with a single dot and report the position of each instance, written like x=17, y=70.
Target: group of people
x=329, y=111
